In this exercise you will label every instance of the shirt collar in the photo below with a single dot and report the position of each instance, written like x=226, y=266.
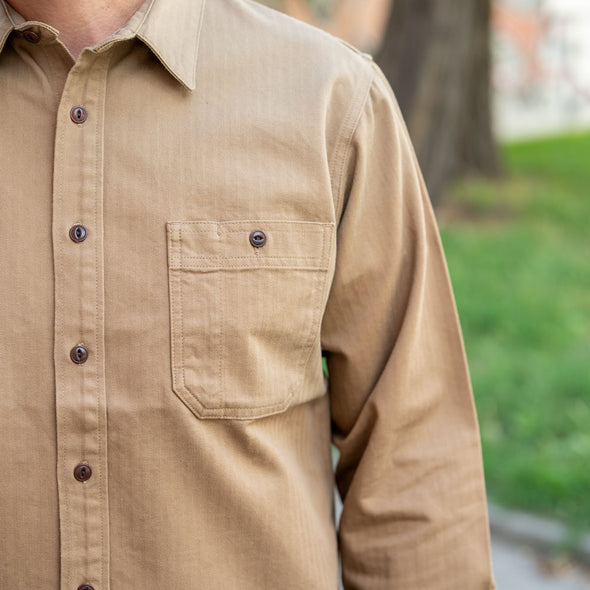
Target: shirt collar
x=170, y=28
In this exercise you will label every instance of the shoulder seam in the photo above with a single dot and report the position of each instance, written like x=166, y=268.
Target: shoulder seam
x=354, y=49
x=345, y=137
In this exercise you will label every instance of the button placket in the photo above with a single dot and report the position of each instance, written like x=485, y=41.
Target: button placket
x=79, y=314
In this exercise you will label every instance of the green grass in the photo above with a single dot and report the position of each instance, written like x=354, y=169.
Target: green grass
x=518, y=250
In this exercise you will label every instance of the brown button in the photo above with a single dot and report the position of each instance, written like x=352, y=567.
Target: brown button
x=82, y=472
x=79, y=354
x=258, y=238
x=78, y=233
x=31, y=36
x=85, y=587
x=78, y=115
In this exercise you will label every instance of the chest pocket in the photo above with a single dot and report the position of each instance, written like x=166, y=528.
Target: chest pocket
x=245, y=310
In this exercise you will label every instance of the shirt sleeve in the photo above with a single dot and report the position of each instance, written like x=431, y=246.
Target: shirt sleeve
x=410, y=469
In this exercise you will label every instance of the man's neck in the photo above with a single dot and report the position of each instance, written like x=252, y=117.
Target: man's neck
x=81, y=23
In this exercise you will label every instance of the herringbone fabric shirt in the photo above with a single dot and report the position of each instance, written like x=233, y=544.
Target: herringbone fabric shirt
x=192, y=215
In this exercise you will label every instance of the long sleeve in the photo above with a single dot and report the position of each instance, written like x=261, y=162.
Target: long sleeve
x=410, y=469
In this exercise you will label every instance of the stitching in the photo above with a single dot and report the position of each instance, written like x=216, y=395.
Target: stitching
x=221, y=341
x=320, y=282
x=126, y=33
x=62, y=437
x=242, y=413
x=8, y=15
x=345, y=145
x=259, y=411
x=219, y=408
x=257, y=257
x=169, y=256
x=181, y=314
x=260, y=258
x=97, y=313
x=173, y=68
x=176, y=312
x=317, y=325
x=247, y=222
x=221, y=335
x=101, y=441
x=144, y=17
x=171, y=300
x=277, y=230
x=193, y=80
x=246, y=230
x=206, y=269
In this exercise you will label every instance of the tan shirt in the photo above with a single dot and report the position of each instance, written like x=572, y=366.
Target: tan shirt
x=192, y=215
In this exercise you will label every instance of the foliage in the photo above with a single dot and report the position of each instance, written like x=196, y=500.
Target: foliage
x=518, y=253
x=322, y=7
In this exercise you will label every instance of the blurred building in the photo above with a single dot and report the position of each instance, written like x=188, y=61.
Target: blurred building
x=541, y=78
x=540, y=49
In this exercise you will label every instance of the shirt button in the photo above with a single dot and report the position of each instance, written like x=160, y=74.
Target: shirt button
x=78, y=233
x=85, y=587
x=82, y=472
x=31, y=36
x=258, y=238
x=79, y=354
x=78, y=115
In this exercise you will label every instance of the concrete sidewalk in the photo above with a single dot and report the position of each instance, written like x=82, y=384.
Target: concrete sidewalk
x=521, y=543
x=518, y=542
x=518, y=567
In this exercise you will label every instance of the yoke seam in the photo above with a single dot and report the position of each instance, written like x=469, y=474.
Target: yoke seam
x=348, y=130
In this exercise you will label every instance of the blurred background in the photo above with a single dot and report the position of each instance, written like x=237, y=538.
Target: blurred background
x=496, y=96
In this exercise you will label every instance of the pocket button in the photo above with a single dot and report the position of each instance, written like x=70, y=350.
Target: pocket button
x=258, y=238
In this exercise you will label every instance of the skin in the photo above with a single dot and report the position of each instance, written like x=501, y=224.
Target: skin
x=81, y=23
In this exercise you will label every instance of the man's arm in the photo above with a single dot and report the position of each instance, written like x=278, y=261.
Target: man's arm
x=410, y=469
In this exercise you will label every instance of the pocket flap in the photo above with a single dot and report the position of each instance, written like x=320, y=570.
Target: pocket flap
x=210, y=245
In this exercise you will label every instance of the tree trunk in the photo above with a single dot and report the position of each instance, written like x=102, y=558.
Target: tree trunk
x=436, y=56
